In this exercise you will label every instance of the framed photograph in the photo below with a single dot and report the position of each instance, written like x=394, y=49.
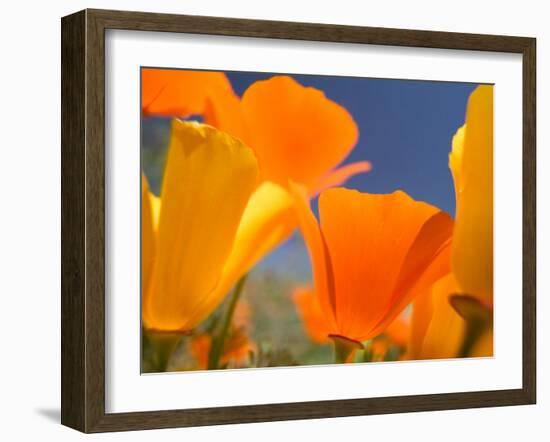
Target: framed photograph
x=267, y=220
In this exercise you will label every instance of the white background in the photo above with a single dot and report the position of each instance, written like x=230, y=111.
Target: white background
x=30, y=217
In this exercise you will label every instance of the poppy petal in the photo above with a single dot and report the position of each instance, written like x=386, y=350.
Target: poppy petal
x=368, y=237
x=208, y=179
x=177, y=92
x=443, y=328
x=455, y=159
x=224, y=112
x=155, y=209
x=339, y=176
x=313, y=318
x=427, y=260
x=318, y=253
x=422, y=312
x=472, y=256
x=147, y=236
x=296, y=131
x=268, y=220
x=398, y=331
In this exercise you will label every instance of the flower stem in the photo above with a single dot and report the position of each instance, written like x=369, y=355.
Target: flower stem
x=219, y=341
x=478, y=318
x=344, y=348
x=475, y=328
x=164, y=344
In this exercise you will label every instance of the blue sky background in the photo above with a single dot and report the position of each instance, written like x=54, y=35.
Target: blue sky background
x=405, y=130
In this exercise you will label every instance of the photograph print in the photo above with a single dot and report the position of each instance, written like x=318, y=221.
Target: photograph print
x=300, y=220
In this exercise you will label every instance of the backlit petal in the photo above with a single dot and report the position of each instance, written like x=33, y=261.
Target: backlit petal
x=428, y=259
x=208, y=179
x=296, y=132
x=320, y=261
x=268, y=220
x=437, y=329
x=177, y=92
x=312, y=316
x=420, y=321
x=398, y=331
x=224, y=111
x=455, y=159
x=340, y=176
x=369, y=238
x=147, y=236
x=155, y=209
x=472, y=256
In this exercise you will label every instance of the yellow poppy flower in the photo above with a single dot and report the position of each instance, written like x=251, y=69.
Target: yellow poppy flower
x=437, y=331
x=208, y=181
x=471, y=163
x=453, y=317
x=148, y=235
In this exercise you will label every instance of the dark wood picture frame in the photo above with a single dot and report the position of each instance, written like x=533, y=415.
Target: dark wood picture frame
x=83, y=220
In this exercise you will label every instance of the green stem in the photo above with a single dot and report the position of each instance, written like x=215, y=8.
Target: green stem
x=477, y=316
x=344, y=348
x=474, y=329
x=367, y=352
x=164, y=344
x=219, y=341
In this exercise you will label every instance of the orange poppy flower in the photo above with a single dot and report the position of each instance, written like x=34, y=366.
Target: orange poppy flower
x=471, y=163
x=315, y=323
x=370, y=254
x=398, y=331
x=296, y=132
x=180, y=93
x=312, y=316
